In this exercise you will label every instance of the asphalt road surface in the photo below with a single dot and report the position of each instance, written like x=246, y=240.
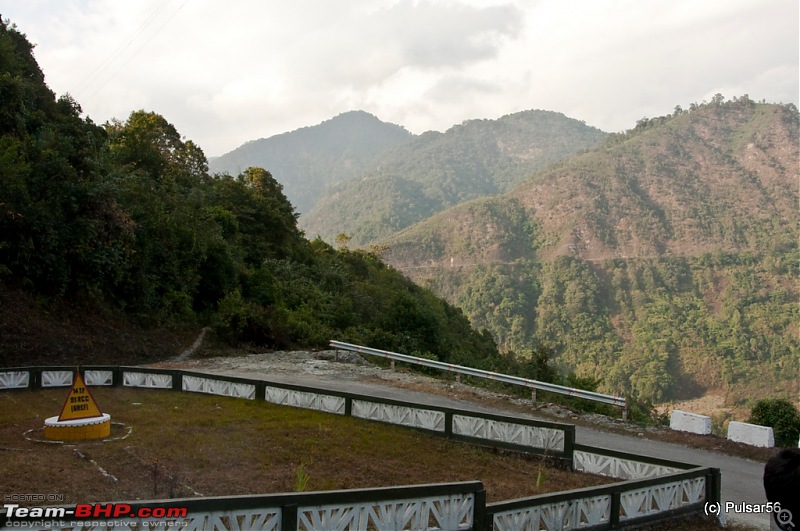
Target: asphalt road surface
x=741, y=478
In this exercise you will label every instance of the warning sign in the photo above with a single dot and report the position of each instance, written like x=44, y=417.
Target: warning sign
x=79, y=404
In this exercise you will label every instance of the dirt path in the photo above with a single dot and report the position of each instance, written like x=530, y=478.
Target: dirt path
x=192, y=349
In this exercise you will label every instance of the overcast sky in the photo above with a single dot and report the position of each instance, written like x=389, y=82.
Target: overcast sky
x=225, y=72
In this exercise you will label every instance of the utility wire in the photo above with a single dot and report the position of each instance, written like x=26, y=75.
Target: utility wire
x=105, y=65
x=119, y=49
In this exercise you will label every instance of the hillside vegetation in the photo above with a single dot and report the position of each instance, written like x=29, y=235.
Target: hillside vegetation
x=125, y=223
x=658, y=263
x=435, y=171
x=662, y=264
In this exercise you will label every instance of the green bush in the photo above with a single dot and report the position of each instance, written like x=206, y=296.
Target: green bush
x=239, y=320
x=781, y=416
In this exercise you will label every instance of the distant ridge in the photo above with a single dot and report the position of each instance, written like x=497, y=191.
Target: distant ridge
x=308, y=160
x=434, y=171
x=722, y=177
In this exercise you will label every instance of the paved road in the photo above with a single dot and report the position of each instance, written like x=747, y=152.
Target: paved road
x=741, y=478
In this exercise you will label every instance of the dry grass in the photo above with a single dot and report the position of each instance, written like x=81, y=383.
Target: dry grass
x=214, y=446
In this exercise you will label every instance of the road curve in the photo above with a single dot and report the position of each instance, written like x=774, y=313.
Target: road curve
x=741, y=478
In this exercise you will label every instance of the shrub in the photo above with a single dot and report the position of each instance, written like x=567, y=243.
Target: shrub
x=781, y=416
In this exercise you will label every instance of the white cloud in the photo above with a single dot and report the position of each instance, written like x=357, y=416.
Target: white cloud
x=229, y=72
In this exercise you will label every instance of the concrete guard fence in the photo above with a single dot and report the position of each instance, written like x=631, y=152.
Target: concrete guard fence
x=441, y=506
x=652, y=490
x=533, y=385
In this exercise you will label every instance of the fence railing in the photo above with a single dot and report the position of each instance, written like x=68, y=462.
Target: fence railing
x=457, y=506
x=500, y=431
x=654, y=489
x=504, y=378
x=627, y=503
x=622, y=465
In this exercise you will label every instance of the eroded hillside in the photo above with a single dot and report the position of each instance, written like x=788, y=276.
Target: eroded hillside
x=661, y=263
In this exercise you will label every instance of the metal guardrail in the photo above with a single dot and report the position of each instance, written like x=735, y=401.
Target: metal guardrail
x=504, y=378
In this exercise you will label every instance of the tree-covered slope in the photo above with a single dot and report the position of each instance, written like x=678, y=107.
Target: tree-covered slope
x=663, y=263
x=719, y=177
x=308, y=160
x=125, y=222
x=435, y=171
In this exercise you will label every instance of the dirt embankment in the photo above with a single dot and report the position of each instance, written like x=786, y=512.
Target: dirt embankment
x=38, y=331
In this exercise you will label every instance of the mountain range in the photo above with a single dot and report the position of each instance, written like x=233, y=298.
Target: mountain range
x=356, y=175
x=435, y=171
x=716, y=178
x=658, y=262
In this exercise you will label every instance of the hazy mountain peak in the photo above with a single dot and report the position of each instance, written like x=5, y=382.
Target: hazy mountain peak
x=307, y=160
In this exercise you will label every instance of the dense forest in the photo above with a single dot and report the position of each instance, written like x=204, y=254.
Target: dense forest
x=125, y=220
x=662, y=264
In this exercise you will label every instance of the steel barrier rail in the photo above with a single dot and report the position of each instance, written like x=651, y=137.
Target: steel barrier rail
x=504, y=378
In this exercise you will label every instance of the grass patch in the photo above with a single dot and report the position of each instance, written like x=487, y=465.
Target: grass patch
x=186, y=444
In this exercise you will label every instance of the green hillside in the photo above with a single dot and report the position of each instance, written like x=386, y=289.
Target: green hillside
x=435, y=171
x=663, y=263
x=123, y=227
x=310, y=159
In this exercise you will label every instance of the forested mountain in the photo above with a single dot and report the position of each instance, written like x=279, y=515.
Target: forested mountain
x=125, y=222
x=663, y=263
x=308, y=160
x=435, y=171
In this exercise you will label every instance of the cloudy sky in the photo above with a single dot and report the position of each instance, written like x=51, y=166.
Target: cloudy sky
x=225, y=72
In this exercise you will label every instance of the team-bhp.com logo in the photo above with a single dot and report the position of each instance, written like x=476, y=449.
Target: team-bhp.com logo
x=90, y=511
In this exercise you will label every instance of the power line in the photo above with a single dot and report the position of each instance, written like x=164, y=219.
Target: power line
x=119, y=49
x=97, y=74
